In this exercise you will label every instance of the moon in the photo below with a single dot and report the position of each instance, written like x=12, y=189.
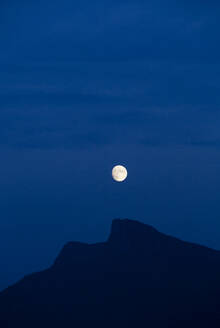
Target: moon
x=119, y=173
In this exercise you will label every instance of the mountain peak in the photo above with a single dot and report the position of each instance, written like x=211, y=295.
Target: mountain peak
x=130, y=222
x=137, y=275
x=126, y=231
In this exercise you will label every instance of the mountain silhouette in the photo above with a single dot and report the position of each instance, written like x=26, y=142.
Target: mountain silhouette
x=139, y=277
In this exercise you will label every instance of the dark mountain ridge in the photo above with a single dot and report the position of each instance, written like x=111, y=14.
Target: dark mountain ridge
x=138, y=277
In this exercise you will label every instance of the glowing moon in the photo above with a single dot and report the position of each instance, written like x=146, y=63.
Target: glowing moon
x=119, y=173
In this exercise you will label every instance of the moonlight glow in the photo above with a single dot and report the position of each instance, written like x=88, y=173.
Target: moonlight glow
x=119, y=173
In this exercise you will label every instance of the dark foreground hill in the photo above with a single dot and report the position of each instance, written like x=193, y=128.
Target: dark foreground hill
x=137, y=278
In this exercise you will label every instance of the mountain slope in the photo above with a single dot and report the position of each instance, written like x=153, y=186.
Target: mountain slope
x=139, y=276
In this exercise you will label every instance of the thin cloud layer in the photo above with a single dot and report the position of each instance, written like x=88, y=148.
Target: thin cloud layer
x=92, y=73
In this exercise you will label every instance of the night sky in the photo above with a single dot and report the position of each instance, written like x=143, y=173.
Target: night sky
x=86, y=85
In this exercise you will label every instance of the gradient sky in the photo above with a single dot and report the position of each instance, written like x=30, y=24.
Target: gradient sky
x=85, y=85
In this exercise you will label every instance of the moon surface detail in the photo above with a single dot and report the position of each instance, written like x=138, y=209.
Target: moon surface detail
x=119, y=173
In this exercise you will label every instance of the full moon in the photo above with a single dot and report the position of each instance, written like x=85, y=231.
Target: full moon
x=119, y=173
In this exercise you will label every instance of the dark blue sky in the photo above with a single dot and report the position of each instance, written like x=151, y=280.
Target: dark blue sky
x=89, y=84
